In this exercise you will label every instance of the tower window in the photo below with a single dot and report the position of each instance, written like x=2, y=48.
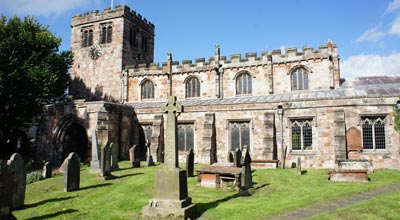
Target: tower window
x=132, y=37
x=106, y=34
x=299, y=79
x=144, y=43
x=87, y=38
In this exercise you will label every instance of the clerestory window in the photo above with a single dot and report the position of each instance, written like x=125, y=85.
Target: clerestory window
x=302, y=135
x=299, y=79
x=373, y=133
x=192, y=87
x=243, y=84
x=147, y=90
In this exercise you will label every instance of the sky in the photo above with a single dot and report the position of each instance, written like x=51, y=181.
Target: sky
x=367, y=32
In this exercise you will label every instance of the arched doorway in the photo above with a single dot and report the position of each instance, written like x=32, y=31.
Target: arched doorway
x=70, y=136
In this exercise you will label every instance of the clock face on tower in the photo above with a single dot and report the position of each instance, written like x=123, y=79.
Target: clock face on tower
x=95, y=52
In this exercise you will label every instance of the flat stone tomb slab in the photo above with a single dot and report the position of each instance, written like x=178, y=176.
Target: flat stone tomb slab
x=349, y=176
x=215, y=176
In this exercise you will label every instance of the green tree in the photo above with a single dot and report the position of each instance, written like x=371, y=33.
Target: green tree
x=33, y=72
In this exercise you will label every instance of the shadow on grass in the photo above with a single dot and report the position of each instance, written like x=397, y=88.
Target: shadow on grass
x=203, y=207
x=53, y=215
x=28, y=206
x=127, y=175
x=95, y=186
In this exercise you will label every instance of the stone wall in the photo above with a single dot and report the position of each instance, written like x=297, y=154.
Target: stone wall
x=329, y=120
x=113, y=122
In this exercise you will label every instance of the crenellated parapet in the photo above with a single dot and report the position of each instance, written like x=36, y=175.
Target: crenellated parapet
x=290, y=55
x=109, y=13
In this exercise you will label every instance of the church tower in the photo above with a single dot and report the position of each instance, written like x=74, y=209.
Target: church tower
x=103, y=44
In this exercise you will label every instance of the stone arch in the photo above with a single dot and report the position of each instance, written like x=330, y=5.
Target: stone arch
x=70, y=136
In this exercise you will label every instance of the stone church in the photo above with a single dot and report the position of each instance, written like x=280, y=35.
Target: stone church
x=280, y=105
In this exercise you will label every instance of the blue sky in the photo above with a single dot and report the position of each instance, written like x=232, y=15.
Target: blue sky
x=367, y=32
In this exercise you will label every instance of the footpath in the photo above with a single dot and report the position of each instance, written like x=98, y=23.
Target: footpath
x=335, y=204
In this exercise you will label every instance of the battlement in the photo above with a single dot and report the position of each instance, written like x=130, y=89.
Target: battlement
x=251, y=58
x=109, y=13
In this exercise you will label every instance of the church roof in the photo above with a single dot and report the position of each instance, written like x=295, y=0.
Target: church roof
x=361, y=87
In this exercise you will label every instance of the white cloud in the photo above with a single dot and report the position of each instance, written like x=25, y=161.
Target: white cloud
x=373, y=34
x=395, y=29
x=44, y=7
x=370, y=65
x=393, y=6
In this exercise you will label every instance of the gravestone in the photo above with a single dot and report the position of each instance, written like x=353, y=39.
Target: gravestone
x=72, y=172
x=149, y=158
x=114, y=156
x=190, y=163
x=16, y=168
x=170, y=200
x=237, y=157
x=247, y=179
x=134, y=160
x=105, y=162
x=354, y=143
x=47, y=170
x=299, y=172
x=95, y=162
x=5, y=191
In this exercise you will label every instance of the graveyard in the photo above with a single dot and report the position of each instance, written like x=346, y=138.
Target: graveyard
x=275, y=191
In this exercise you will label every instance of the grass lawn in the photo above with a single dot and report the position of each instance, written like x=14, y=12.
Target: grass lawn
x=277, y=191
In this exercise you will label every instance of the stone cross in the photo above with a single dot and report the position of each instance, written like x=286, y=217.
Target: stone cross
x=173, y=110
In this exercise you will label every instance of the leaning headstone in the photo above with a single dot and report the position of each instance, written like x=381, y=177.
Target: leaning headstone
x=237, y=157
x=95, y=162
x=299, y=166
x=114, y=156
x=17, y=172
x=72, y=173
x=170, y=199
x=105, y=162
x=5, y=191
x=190, y=163
x=47, y=170
x=134, y=160
x=247, y=179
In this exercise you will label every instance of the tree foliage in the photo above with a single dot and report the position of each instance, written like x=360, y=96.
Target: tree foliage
x=33, y=72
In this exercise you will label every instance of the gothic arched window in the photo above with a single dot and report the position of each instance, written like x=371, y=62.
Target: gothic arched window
x=243, y=84
x=87, y=38
x=373, y=133
x=106, y=34
x=301, y=135
x=192, y=87
x=299, y=79
x=147, y=90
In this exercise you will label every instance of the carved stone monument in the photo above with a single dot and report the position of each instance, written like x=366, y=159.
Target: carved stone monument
x=170, y=200
x=95, y=162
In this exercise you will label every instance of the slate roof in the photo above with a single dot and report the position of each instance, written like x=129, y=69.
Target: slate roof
x=376, y=86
